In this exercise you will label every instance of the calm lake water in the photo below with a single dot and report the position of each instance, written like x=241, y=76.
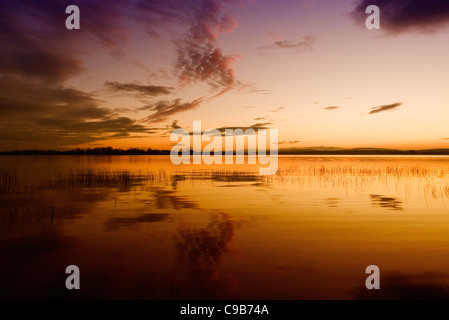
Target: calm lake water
x=139, y=227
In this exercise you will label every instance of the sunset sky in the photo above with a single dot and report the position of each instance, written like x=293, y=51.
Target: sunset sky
x=138, y=69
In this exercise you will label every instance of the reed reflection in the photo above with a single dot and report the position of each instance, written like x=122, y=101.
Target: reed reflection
x=386, y=202
x=199, y=254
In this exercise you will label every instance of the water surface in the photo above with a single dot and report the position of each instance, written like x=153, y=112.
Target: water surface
x=139, y=227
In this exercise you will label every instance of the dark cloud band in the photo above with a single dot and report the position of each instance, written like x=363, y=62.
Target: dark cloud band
x=137, y=88
x=407, y=15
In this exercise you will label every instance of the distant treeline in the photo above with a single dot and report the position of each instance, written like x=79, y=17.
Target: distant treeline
x=94, y=151
x=305, y=151
x=364, y=151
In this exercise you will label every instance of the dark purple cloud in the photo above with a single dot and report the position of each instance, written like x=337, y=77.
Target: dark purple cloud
x=206, y=64
x=36, y=115
x=398, y=16
x=199, y=58
x=38, y=55
x=27, y=100
x=35, y=43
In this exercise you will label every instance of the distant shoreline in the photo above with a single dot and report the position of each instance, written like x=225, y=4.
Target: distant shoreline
x=306, y=151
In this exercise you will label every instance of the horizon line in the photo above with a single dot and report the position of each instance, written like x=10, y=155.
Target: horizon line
x=283, y=151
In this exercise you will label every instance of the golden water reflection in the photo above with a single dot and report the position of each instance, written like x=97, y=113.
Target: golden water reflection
x=140, y=228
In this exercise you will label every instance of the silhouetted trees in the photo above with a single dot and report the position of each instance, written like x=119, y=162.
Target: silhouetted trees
x=292, y=151
x=91, y=151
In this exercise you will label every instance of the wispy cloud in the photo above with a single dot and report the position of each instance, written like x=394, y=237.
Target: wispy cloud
x=164, y=109
x=138, y=89
x=406, y=15
x=306, y=44
x=169, y=128
x=256, y=126
x=257, y=91
x=278, y=109
x=174, y=125
x=332, y=108
x=251, y=88
x=288, y=142
x=383, y=108
x=222, y=130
